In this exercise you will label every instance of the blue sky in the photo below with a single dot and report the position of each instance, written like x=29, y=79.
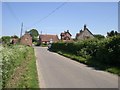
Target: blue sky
x=100, y=17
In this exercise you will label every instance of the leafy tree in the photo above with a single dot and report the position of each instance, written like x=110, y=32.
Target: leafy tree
x=15, y=36
x=98, y=36
x=0, y=40
x=34, y=33
x=112, y=33
x=6, y=39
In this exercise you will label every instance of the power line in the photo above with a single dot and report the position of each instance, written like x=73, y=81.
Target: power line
x=18, y=20
x=12, y=12
x=15, y=17
x=48, y=14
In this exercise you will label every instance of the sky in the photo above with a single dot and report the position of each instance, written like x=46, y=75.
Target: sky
x=57, y=17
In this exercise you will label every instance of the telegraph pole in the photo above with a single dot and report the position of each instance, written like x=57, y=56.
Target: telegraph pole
x=41, y=32
x=21, y=29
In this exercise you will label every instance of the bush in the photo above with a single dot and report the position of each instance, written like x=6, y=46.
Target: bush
x=109, y=51
x=6, y=39
x=105, y=51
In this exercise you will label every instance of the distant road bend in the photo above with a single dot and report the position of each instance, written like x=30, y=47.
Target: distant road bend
x=56, y=71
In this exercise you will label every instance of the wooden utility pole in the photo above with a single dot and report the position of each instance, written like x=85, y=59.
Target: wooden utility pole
x=21, y=29
x=41, y=32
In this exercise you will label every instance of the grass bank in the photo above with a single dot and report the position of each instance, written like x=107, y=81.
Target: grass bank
x=91, y=63
x=19, y=67
x=101, y=54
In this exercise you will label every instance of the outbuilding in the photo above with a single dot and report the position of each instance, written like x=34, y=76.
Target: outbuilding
x=26, y=39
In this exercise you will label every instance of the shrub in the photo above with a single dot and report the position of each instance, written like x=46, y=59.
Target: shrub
x=105, y=51
x=109, y=51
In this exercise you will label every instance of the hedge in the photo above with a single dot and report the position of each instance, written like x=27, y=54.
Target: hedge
x=106, y=51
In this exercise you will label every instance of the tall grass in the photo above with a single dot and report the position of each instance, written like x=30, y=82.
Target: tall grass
x=13, y=58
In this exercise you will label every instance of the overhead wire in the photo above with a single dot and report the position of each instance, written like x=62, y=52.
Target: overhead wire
x=12, y=12
x=60, y=6
x=19, y=21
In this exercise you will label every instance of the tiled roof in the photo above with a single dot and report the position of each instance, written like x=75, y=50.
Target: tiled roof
x=26, y=35
x=65, y=32
x=82, y=31
x=78, y=34
x=46, y=37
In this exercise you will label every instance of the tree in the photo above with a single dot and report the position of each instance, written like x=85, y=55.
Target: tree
x=6, y=39
x=34, y=33
x=0, y=40
x=15, y=36
x=112, y=33
x=98, y=36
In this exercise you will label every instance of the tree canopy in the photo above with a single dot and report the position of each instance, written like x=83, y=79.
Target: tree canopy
x=15, y=36
x=34, y=33
x=112, y=33
x=6, y=39
x=98, y=36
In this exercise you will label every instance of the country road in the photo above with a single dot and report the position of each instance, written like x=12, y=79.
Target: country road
x=56, y=71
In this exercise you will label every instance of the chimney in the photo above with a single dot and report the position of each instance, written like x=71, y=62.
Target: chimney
x=85, y=26
x=80, y=30
x=67, y=30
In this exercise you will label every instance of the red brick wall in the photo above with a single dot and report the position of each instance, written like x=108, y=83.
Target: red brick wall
x=26, y=40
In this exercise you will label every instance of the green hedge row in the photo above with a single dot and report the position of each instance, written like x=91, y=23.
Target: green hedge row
x=106, y=51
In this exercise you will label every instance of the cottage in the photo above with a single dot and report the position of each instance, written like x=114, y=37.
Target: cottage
x=84, y=34
x=46, y=39
x=26, y=39
x=66, y=35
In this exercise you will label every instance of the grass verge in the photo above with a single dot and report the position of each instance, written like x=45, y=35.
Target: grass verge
x=25, y=74
x=29, y=78
x=96, y=65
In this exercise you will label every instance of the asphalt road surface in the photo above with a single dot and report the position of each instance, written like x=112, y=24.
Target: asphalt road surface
x=56, y=71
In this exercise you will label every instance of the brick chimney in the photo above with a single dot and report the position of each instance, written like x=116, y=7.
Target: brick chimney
x=85, y=26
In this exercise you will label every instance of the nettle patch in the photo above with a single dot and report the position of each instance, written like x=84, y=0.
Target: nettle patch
x=11, y=58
